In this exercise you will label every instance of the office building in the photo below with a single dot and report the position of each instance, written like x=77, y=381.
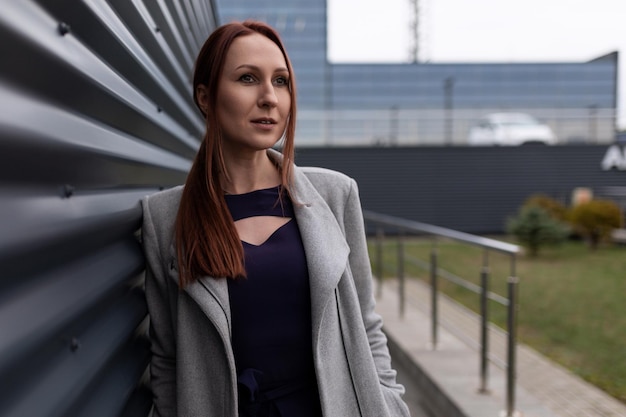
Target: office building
x=428, y=103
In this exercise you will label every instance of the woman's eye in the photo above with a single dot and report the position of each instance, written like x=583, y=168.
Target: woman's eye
x=246, y=78
x=281, y=81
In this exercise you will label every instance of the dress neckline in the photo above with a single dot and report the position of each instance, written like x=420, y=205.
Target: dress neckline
x=260, y=190
x=263, y=202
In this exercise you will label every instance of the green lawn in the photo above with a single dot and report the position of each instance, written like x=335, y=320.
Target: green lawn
x=572, y=301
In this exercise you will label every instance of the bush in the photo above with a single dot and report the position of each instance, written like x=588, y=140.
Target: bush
x=595, y=220
x=555, y=208
x=534, y=227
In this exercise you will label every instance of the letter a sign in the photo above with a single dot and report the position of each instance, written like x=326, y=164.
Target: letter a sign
x=615, y=157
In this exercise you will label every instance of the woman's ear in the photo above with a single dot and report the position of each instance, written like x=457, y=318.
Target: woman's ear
x=202, y=97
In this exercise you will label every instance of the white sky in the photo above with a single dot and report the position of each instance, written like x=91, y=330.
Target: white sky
x=481, y=31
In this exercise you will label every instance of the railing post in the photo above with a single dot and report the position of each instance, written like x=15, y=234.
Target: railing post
x=484, y=324
x=401, y=294
x=512, y=328
x=433, y=302
x=380, y=235
x=512, y=305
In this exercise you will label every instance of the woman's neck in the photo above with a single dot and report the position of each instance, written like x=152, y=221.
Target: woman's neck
x=246, y=174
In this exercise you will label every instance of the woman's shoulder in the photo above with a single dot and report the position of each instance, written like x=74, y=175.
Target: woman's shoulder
x=164, y=198
x=327, y=176
x=163, y=205
x=331, y=185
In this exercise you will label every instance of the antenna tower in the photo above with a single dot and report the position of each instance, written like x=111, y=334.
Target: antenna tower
x=414, y=28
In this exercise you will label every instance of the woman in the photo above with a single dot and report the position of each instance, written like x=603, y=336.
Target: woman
x=258, y=281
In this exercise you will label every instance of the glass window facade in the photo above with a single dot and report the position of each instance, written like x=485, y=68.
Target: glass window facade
x=438, y=103
x=302, y=26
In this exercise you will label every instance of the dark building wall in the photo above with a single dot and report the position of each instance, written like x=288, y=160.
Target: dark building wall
x=96, y=113
x=471, y=189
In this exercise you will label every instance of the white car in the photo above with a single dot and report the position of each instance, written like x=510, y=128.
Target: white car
x=510, y=129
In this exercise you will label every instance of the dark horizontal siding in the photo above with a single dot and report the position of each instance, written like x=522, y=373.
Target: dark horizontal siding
x=96, y=113
x=471, y=189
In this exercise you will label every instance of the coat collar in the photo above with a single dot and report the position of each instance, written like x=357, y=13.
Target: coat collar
x=216, y=306
x=324, y=244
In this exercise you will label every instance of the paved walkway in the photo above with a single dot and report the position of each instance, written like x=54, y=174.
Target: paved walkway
x=450, y=374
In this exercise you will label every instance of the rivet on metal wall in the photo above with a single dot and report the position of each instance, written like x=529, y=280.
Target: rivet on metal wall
x=74, y=344
x=157, y=29
x=63, y=28
x=67, y=191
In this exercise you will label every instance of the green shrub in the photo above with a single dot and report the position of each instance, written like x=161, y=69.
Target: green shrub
x=555, y=208
x=534, y=227
x=595, y=220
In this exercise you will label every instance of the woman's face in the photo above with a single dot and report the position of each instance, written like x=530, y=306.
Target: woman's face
x=253, y=100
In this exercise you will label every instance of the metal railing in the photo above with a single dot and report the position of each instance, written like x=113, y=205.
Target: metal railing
x=403, y=227
x=435, y=127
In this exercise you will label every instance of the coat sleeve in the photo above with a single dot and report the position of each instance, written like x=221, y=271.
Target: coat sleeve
x=158, y=298
x=361, y=271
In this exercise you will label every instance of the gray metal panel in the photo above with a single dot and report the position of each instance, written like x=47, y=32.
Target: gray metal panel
x=96, y=113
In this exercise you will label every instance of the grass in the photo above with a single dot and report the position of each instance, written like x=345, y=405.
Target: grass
x=572, y=301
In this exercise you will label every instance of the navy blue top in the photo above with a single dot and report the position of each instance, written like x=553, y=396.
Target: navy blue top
x=271, y=316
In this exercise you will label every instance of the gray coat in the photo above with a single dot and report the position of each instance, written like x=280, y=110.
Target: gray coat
x=193, y=370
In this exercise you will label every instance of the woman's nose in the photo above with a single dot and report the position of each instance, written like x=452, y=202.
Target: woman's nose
x=268, y=97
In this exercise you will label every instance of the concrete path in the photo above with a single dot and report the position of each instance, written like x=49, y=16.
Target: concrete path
x=449, y=376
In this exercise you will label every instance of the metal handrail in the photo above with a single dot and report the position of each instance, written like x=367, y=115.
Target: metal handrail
x=429, y=229
x=405, y=226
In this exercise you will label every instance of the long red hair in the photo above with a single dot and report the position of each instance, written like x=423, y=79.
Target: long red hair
x=207, y=242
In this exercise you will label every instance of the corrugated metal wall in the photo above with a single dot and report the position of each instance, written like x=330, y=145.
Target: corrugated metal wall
x=472, y=189
x=95, y=112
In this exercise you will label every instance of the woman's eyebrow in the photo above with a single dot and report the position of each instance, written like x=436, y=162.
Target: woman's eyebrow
x=256, y=68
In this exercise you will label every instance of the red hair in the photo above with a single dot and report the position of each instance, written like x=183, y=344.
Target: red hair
x=207, y=242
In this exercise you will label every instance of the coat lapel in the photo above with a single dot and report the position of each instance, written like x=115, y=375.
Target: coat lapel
x=215, y=304
x=217, y=307
x=324, y=244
